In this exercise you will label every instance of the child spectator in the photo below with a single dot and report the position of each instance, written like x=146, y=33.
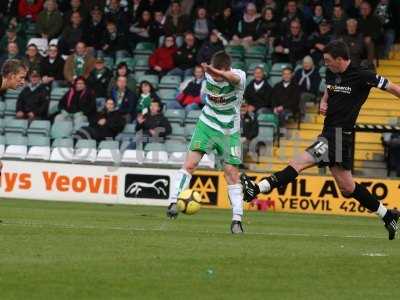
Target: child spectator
x=147, y=94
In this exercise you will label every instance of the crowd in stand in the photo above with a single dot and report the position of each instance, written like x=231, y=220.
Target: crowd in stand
x=73, y=38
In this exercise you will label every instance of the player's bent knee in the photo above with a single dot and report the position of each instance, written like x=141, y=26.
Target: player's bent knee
x=231, y=174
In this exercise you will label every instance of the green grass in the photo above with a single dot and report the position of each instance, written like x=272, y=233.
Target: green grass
x=52, y=250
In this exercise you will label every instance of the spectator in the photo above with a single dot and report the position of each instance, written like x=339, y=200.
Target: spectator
x=11, y=36
x=135, y=10
x=29, y=9
x=115, y=44
x=383, y=12
x=117, y=15
x=162, y=60
x=268, y=28
x=125, y=100
x=147, y=94
x=226, y=23
x=202, y=26
x=258, y=93
x=176, y=22
x=33, y=100
x=122, y=70
x=50, y=21
x=99, y=78
x=371, y=28
x=157, y=27
x=209, y=48
x=52, y=66
x=185, y=57
x=76, y=6
x=318, y=16
x=71, y=35
x=77, y=103
x=78, y=64
x=249, y=126
x=339, y=20
x=95, y=30
x=107, y=125
x=189, y=96
x=246, y=32
x=32, y=59
x=8, y=8
x=141, y=29
x=270, y=4
x=292, y=47
x=286, y=97
x=11, y=53
x=318, y=40
x=354, y=41
x=292, y=13
x=154, y=124
x=308, y=80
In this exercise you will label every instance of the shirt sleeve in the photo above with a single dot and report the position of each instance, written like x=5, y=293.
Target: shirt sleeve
x=242, y=75
x=371, y=79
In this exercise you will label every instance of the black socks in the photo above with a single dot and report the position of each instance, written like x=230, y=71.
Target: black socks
x=283, y=177
x=362, y=195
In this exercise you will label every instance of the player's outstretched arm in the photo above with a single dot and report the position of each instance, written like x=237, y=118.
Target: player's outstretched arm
x=394, y=89
x=227, y=75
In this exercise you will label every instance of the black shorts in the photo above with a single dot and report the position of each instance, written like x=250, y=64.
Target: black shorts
x=333, y=148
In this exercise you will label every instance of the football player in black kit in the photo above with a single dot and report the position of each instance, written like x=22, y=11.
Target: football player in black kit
x=347, y=88
x=13, y=73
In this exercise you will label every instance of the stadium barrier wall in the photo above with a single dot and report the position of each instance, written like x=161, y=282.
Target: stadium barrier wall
x=151, y=186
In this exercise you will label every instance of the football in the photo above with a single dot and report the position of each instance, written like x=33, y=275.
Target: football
x=189, y=202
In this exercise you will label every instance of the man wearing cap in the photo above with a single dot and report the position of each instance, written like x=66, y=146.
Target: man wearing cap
x=319, y=39
x=99, y=78
x=33, y=100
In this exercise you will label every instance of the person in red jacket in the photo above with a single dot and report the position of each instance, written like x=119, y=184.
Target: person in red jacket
x=162, y=60
x=29, y=9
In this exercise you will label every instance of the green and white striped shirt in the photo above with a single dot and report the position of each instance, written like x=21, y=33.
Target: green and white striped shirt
x=222, y=103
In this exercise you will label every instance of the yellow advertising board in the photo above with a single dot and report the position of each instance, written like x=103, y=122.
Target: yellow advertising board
x=307, y=194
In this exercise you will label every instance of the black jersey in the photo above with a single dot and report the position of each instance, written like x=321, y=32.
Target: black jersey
x=347, y=92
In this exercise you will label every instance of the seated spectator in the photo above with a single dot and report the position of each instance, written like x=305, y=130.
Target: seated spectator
x=122, y=70
x=268, y=28
x=28, y=10
x=76, y=6
x=317, y=18
x=202, y=25
x=393, y=150
x=176, y=23
x=116, y=14
x=162, y=60
x=147, y=93
x=115, y=44
x=140, y=30
x=78, y=64
x=292, y=47
x=270, y=4
x=318, y=40
x=155, y=124
x=308, y=80
x=286, y=97
x=185, y=57
x=50, y=21
x=11, y=37
x=213, y=45
x=291, y=13
x=354, y=41
x=125, y=99
x=339, y=19
x=52, y=66
x=71, y=35
x=95, y=30
x=371, y=28
x=107, y=125
x=246, y=32
x=189, y=96
x=157, y=27
x=11, y=53
x=258, y=93
x=32, y=58
x=385, y=15
x=33, y=100
x=99, y=79
x=249, y=127
x=8, y=8
x=226, y=23
x=78, y=102
x=135, y=9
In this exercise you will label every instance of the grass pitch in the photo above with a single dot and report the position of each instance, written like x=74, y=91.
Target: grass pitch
x=52, y=250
